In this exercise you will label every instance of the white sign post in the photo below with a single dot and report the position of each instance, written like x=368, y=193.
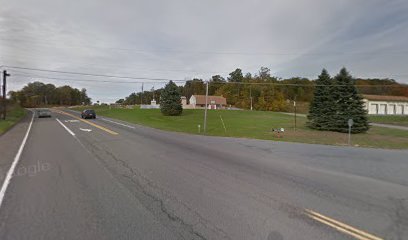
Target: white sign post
x=350, y=123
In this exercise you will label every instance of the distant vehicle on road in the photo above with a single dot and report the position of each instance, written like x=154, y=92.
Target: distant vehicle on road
x=42, y=113
x=88, y=113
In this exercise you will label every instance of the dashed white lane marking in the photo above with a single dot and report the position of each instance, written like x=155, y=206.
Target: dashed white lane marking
x=66, y=128
x=118, y=123
x=71, y=121
x=89, y=122
x=15, y=162
x=85, y=129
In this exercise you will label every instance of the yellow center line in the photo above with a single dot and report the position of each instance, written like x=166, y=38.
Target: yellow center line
x=356, y=233
x=88, y=122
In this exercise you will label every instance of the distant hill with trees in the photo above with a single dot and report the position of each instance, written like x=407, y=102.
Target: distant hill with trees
x=267, y=92
x=37, y=94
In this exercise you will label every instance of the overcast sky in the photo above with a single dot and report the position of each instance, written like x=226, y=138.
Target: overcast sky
x=199, y=38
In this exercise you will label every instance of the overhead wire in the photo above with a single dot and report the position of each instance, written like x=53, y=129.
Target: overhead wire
x=211, y=82
x=89, y=80
x=93, y=74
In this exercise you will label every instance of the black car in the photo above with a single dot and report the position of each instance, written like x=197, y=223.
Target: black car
x=88, y=113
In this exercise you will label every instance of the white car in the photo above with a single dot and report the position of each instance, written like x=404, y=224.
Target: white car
x=42, y=113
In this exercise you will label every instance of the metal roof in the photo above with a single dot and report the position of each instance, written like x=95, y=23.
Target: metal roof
x=385, y=98
x=200, y=99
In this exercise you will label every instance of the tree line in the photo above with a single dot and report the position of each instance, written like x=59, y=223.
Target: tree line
x=38, y=94
x=265, y=91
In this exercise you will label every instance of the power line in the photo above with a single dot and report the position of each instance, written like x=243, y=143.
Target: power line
x=138, y=68
x=93, y=74
x=303, y=85
x=88, y=80
x=162, y=80
x=211, y=82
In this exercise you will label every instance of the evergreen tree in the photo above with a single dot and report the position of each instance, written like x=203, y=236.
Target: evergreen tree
x=170, y=100
x=322, y=107
x=349, y=104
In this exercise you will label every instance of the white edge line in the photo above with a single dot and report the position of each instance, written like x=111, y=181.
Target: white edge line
x=66, y=128
x=121, y=124
x=10, y=172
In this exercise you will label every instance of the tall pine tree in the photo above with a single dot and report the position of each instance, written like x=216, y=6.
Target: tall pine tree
x=322, y=107
x=349, y=105
x=170, y=100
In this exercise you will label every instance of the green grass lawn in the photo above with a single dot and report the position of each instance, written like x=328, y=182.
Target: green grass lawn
x=393, y=120
x=14, y=114
x=254, y=124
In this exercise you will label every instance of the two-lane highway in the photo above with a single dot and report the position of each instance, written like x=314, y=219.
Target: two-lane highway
x=107, y=179
x=69, y=195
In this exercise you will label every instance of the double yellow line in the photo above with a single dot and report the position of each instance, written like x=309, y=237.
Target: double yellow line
x=349, y=230
x=88, y=122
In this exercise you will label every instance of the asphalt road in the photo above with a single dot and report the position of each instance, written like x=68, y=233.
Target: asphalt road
x=106, y=179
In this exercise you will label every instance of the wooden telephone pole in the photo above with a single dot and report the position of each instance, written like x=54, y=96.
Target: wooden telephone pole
x=5, y=75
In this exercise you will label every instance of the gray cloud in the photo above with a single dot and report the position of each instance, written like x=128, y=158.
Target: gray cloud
x=183, y=39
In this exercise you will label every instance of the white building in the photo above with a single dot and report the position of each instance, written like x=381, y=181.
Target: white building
x=183, y=101
x=386, y=105
x=153, y=105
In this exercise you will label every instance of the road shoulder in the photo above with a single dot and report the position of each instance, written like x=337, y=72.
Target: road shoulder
x=10, y=142
x=390, y=126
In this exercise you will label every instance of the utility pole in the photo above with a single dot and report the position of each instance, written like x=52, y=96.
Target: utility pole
x=294, y=105
x=250, y=94
x=153, y=93
x=5, y=75
x=350, y=123
x=141, y=96
x=206, y=106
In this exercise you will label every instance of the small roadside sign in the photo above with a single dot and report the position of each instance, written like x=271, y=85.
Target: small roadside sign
x=350, y=122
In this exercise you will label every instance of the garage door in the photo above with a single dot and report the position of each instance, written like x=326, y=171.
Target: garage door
x=383, y=109
x=391, y=109
x=399, y=109
x=373, y=109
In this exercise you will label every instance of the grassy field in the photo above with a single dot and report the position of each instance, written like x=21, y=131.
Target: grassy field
x=14, y=114
x=255, y=124
x=393, y=120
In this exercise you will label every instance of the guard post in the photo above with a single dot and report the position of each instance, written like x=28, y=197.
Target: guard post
x=350, y=123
